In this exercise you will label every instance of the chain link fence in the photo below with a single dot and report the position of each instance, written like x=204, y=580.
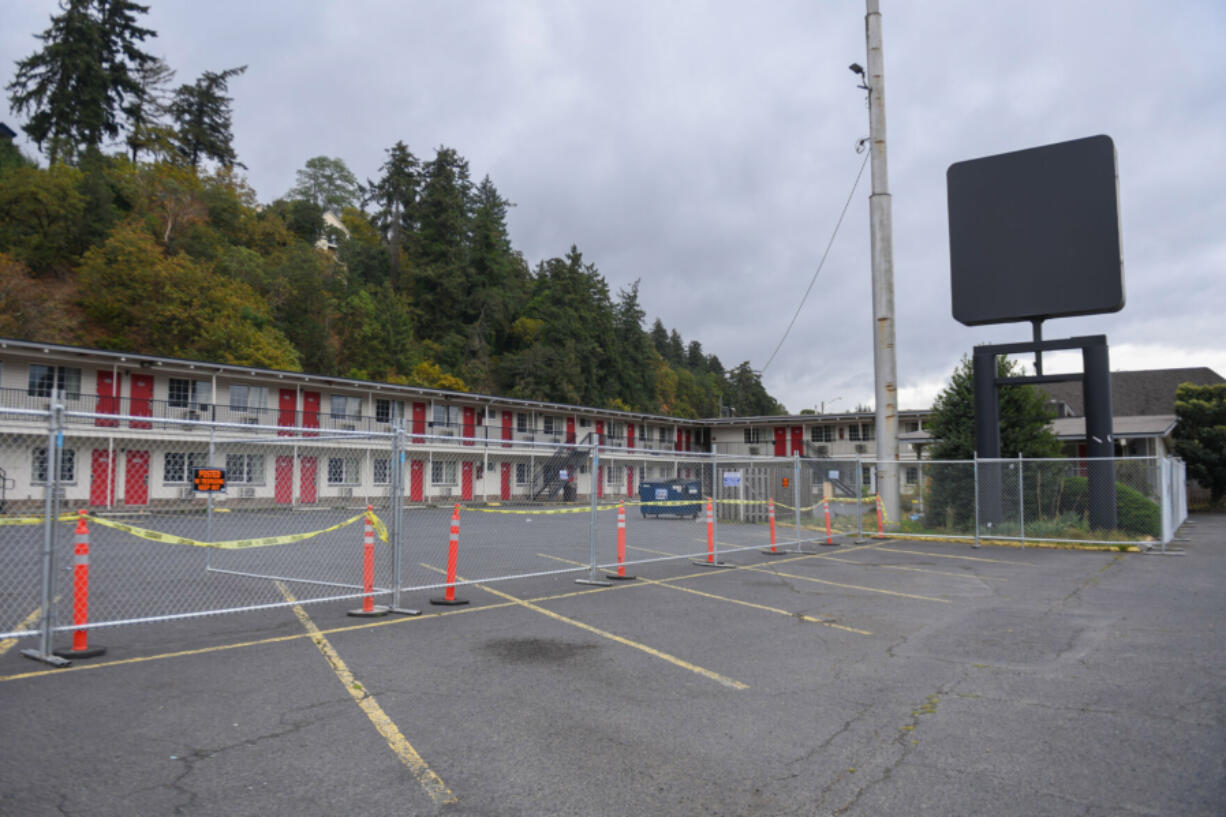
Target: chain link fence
x=446, y=512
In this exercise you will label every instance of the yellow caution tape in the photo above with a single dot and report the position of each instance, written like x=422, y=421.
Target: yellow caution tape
x=377, y=524
x=532, y=513
x=235, y=544
x=34, y=520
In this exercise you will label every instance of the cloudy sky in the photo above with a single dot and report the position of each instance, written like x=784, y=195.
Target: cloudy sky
x=707, y=148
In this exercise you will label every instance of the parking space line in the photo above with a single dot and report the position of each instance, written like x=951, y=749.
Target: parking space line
x=433, y=785
x=652, y=651
x=798, y=577
x=953, y=556
x=917, y=569
x=669, y=583
x=8, y=643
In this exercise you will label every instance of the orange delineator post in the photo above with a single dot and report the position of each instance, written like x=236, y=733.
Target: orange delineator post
x=368, y=608
x=710, y=533
x=80, y=595
x=453, y=554
x=880, y=526
x=829, y=537
x=621, y=545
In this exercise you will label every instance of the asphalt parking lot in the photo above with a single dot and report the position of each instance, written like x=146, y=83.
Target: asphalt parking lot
x=883, y=678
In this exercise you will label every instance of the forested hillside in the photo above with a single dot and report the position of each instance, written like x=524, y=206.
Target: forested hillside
x=140, y=234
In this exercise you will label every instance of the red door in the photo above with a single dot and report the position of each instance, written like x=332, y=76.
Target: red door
x=287, y=414
x=308, y=467
x=470, y=422
x=798, y=440
x=466, y=481
x=108, y=399
x=310, y=417
x=283, y=490
x=629, y=435
x=101, y=478
x=689, y=438
x=506, y=480
x=570, y=430
x=142, y=400
x=600, y=432
x=507, y=418
x=630, y=480
x=680, y=440
x=419, y=421
x=417, y=480
x=781, y=441
x=136, y=477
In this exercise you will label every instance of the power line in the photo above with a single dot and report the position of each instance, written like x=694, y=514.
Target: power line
x=820, y=264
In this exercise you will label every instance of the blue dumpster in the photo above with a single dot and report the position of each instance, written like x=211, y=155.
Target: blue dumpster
x=684, y=498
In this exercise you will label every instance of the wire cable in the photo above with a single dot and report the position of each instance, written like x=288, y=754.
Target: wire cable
x=820, y=264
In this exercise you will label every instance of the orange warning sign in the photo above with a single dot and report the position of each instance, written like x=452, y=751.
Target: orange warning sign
x=210, y=479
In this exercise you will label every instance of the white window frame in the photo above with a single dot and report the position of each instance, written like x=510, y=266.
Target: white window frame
x=522, y=471
x=40, y=466
x=189, y=461
x=349, y=473
x=199, y=393
x=244, y=397
x=251, y=465
x=345, y=407
x=384, y=464
x=65, y=380
x=444, y=472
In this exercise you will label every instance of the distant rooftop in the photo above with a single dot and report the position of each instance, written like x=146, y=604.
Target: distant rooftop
x=1139, y=393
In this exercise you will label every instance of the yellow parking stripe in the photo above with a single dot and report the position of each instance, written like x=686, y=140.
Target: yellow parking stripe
x=425, y=776
x=652, y=651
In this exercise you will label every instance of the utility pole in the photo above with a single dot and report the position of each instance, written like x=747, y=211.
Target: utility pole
x=885, y=365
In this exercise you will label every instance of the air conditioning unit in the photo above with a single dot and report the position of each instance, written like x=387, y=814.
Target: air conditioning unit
x=251, y=421
x=348, y=427
x=246, y=493
x=444, y=491
x=754, y=450
x=187, y=493
x=822, y=450
x=861, y=448
x=446, y=433
x=346, y=493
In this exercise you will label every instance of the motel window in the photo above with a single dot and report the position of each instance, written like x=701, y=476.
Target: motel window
x=868, y=431
x=64, y=380
x=345, y=407
x=547, y=424
x=753, y=435
x=383, y=470
x=521, y=473
x=446, y=416
x=248, y=398
x=179, y=466
x=182, y=393
x=384, y=410
x=443, y=473
x=68, y=465
x=245, y=469
x=853, y=431
x=521, y=422
x=342, y=470
x=821, y=434
x=912, y=475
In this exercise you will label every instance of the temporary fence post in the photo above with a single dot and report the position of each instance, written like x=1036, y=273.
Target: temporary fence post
x=208, y=511
x=796, y=495
x=55, y=439
x=593, y=475
x=829, y=535
x=976, y=475
x=1021, y=502
x=715, y=497
x=368, y=609
x=880, y=512
x=859, y=501
x=453, y=555
x=621, y=574
x=80, y=595
x=396, y=502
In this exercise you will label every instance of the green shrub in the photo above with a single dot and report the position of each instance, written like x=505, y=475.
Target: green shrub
x=1135, y=512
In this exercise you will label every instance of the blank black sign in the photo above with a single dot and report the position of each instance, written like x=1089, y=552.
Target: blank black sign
x=1036, y=233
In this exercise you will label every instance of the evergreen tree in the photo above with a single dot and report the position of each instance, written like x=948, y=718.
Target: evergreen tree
x=395, y=197
x=443, y=282
x=695, y=360
x=148, y=110
x=746, y=396
x=202, y=114
x=75, y=86
x=1200, y=435
x=676, y=349
x=659, y=338
x=326, y=183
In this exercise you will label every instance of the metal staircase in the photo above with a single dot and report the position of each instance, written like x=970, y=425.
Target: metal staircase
x=547, y=480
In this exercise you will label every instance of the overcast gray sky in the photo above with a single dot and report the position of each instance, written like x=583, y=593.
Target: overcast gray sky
x=707, y=148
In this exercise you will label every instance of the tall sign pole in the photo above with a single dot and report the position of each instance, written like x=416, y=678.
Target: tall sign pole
x=885, y=366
